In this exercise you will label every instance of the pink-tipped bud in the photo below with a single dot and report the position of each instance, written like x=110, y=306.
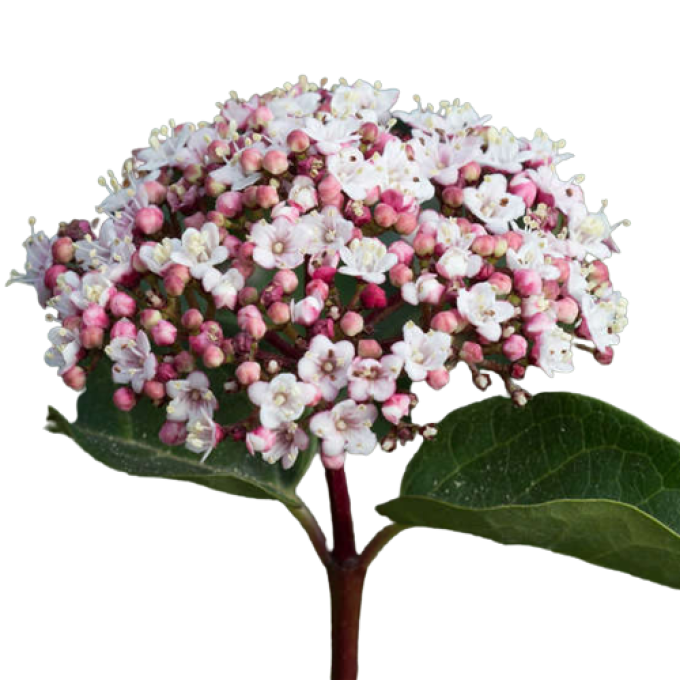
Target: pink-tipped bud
x=438, y=378
x=471, y=172
x=484, y=245
x=173, y=433
x=385, y=215
x=248, y=372
x=174, y=286
x=527, y=282
x=406, y=224
x=538, y=324
x=155, y=191
x=251, y=160
x=166, y=372
x=230, y=203
x=369, y=132
x=63, y=250
x=122, y=305
x=352, y=324
x=298, y=141
x=453, y=196
x=279, y=313
x=524, y=188
x=307, y=311
x=448, y=322
x=213, y=188
x=123, y=329
x=369, y=349
x=515, y=347
x=373, y=297
x=154, y=389
x=403, y=251
x=471, y=353
x=605, y=358
x=287, y=279
x=329, y=188
x=95, y=315
x=248, y=296
x=213, y=357
x=260, y=440
x=424, y=244
x=565, y=269
x=514, y=240
x=149, y=220
x=53, y=273
x=396, y=407
x=185, y=362
x=149, y=318
x=164, y=333
x=250, y=320
x=318, y=288
x=500, y=248
x=92, y=337
x=400, y=274
x=75, y=378
x=500, y=282
x=124, y=399
x=261, y=116
x=267, y=196
x=599, y=272
x=192, y=319
x=567, y=310
x=275, y=162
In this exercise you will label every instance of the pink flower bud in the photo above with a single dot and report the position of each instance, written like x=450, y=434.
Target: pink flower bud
x=565, y=270
x=605, y=358
x=95, y=315
x=124, y=399
x=501, y=283
x=166, y=372
x=149, y=318
x=567, y=310
x=75, y=378
x=448, y=322
x=307, y=311
x=248, y=372
x=122, y=305
x=500, y=248
x=471, y=353
x=275, y=162
x=298, y=141
x=369, y=349
x=279, y=313
x=63, y=250
x=180, y=271
x=155, y=191
x=185, y=362
x=424, y=244
x=251, y=160
x=230, y=204
x=385, y=215
x=149, y=220
x=260, y=440
x=369, y=132
x=250, y=320
x=373, y=297
x=396, y=407
x=154, y=389
x=514, y=240
x=248, y=296
x=471, y=172
x=352, y=324
x=287, y=279
x=164, y=333
x=92, y=337
x=484, y=245
x=52, y=274
x=174, y=286
x=123, y=329
x=599, y=272
x=538, y=324
x=267, y=196
x=400, y=274
x=524, y=188
x=261, y=116
x=173, y=433
x=192, y=319
x=329, y=188
x=325, y=274
x=403, y=251
x=452, y=196
x=406, y=224
x=515, y=347
x=213, y=357
x=527, y=282
x=438, y=378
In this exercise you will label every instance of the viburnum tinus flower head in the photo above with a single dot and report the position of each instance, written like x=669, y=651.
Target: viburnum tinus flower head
x=438, y=237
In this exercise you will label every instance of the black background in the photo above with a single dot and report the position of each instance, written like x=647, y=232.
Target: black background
x=169, y=569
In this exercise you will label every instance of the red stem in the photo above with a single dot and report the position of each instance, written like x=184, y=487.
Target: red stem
x=344, y=547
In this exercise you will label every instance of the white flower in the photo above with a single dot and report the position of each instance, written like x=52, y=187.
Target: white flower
x=223, y=287
x=289, y=440
x=356, y=175
x=202, y=436
x=65, y=348
x=368, y=259
x=346, y=428
x=449, y=120
x=371, y=103
x=196, y=148
x=457, y=260
x=190, y=398
x=396, y=171
x=566, y=194
x=94, y=289
x=328, y=230
x=330, y=136
x=554, y=351
x=281, y=400
x=38, y=260
x=133, y=361
x=62, y=303
x=544, y=149
x=589, y=233
x=535, y=253
x=492, y=204
x=297, y=106
x=373, y=378
x=426, y=288
x=440, y=161
x=422, y=352
x=326, y=365
x=605, y=318
x=503, y=151
x=200, y=250
x=280, y=244
x=110, y=253
x=164, y=153
x=303, y=193
x=480, y=307
x=158, y=257
x=232, y=173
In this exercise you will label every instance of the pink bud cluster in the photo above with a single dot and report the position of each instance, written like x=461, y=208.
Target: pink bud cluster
x=316, y=253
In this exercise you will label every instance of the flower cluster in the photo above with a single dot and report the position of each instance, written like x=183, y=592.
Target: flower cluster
x=314, y=253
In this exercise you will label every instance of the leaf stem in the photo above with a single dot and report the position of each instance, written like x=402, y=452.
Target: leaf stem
x=314, y=531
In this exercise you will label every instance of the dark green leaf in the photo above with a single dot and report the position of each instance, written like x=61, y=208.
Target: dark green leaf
x=566, y=472
x=129, y=442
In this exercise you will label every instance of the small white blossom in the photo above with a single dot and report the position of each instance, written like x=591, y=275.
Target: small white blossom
x=133, y=361
x=605, y=318
x=38, y=260
x=280, y=244
x=481, y=308
x=289, y=440
x=333, y=134
x=356, y=175
x=326, y=365
x=373, y=378
x=110, y=253
x=440, y=161
x=346, y=428
x=200, y=250
x=281, y=400
x=303, y=193
x=369, y=103
x=368, y=259
x=492, y=204
x=535, y=253
x=328, y=230
x=191, y=397
x=504, y=151
x=202, y=436
x=396, y=171
x=65, y=348
x=94, y=289
x=422, y=352
x=554, y=351
x=158, y=257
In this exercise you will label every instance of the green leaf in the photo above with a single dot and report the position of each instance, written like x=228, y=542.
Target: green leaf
x=566, y=472
x=129, y=442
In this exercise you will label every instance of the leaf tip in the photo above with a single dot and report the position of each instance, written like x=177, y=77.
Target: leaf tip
x=56, y=423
